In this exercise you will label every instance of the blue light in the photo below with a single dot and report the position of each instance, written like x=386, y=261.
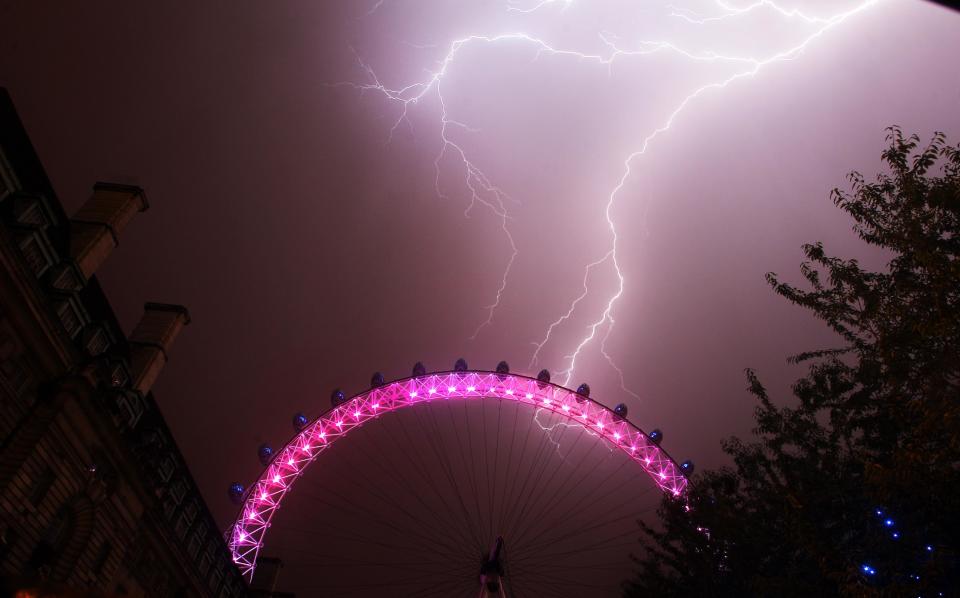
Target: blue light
x=879, y=513
x=868, y=569
x=895, y=535
x=929, y=547
x=888, y=522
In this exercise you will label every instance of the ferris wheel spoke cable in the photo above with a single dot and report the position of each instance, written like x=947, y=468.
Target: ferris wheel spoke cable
x=401, y=480
x=438, y=444
x=446, y=511
x=471, y=470
x=462, y=535
x=548, y=540
x=343, y=503
x=427, y=546
x=496, y=462
x=518, y=516
x=459, y=573
x=447, y=469
x=353, y=538
x=420, y=523
x=601, y=545
x=579, y=485
x=543, y=549
x=513, y=479
x=576, y=509
x=519, y=506
x=521, y=518
x=339, y=560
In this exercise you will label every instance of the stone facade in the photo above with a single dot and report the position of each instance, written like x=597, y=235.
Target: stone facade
x=94, y=495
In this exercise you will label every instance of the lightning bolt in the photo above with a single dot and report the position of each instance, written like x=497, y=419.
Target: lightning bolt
x=548, y=429
x=480, y=188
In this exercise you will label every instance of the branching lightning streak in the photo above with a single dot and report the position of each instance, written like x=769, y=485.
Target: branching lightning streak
x=562, y=424
x=607, y=315
x=482, y=190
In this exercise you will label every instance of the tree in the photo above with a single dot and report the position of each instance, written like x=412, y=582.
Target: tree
x=854, y=488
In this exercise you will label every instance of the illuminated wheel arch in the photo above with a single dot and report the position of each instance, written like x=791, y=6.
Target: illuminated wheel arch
x=262, y=500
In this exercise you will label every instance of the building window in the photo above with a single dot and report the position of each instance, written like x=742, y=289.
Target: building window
x=70, y=319
x=187, y=515
x=103, y=555
x=37, y=255
x=193, y=549
x=130, y=406
x=178, y=490
x=204, y=564
x=41, y=486
x=216, y=576
x=166, y=469
x=169, y=507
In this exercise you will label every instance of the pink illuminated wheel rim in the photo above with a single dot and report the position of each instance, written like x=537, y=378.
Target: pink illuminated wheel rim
x=557, y=411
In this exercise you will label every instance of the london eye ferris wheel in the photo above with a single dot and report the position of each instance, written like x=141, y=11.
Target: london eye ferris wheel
x=456, y=483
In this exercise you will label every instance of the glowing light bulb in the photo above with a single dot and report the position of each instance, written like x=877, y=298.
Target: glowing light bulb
x=471, y=388
x=566, y=407
x=663, y=476
x=263, y=496
x=356, y=414
x=432, y=391
x=451, y=388
x=600, y=425
x=509, y=391
x=290, y=462
x=546, y=401
x=529, y=395
x=616, y=435
x=276, y=479
x=375, y=406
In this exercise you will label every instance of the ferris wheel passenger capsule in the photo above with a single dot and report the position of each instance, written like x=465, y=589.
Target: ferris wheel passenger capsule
x=265, y=454
x=460, y=365
x=337, y=397
x=300, y=422
x=687, y=467
x=620, y=411
x=656, y=436
x=544, y=376
x=235, y=492
x=376, y=380
x=419, y=369
x=584, y=390
x=503, y=367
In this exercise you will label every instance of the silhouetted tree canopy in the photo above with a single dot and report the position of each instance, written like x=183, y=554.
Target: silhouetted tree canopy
x=871, y=434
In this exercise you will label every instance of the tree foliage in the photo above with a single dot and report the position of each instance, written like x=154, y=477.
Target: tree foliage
x=873, y=425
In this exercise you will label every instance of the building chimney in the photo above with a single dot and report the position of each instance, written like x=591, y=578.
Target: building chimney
x=152, y=339
x=95, y=228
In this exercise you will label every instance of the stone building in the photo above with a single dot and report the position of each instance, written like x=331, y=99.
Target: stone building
x=95, y=497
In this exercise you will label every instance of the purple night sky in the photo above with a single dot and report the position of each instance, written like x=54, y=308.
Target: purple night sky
x=317, y=235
